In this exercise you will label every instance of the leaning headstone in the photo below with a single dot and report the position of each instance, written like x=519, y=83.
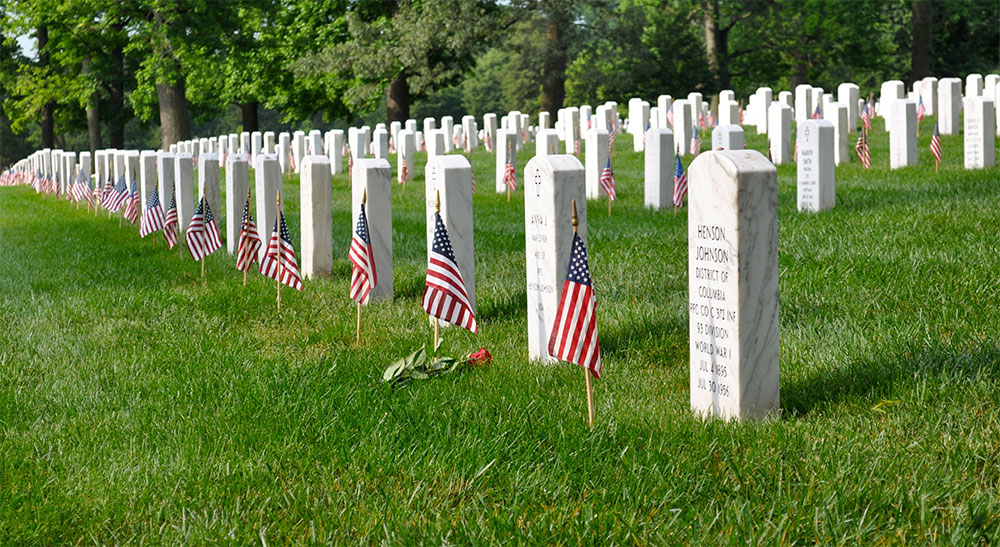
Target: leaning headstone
x=901, y=120
x=780, y=136
x=317, y=217
x=551, y=185
x=208, y=185
x=184, y=188
x=949, y=102
x=267, y=179
x=596, y=157
x=836, y=114
x=450, y=177
x=816, y=189
x=728, y=137
x=659, y=168
x=373, y=176
x=237, y=182
x=733, y=285
x=980, y=134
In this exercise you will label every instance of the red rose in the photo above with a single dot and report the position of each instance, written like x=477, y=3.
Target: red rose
x=479, y=358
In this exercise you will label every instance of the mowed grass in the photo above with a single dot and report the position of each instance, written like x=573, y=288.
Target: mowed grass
x=140, y=403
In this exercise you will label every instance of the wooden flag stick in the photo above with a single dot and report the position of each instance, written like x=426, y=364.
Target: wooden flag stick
x=586, y=371
x=357, y=337
x=437, y=209
x=203, y=266
x=609, y=205
x=508, y=192
x=279, y=251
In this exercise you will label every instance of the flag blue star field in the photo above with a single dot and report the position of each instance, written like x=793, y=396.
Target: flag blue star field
x=152, y=218
x=445, y=297
x=574, y=333
x=170, y=225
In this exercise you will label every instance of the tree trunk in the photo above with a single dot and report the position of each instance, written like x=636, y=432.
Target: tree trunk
x=116, y=92
x=47, y=121
x=920, y=60
x=554, y=66
x=397, y=99
x=93, y=113
x=250, y=119
x=716, y=45
x=175, y=121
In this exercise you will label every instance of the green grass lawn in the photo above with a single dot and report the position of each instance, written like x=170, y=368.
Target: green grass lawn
x=142, y=403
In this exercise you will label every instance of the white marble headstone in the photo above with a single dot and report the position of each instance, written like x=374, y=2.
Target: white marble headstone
x=815, y=190
x=316, y=205
x=450, y=177
x=659, y=168
x=901, y=120
x=208, y=185
x=267, y=182
x=780, y=136
x=980, y=133
x=506, y=150
x=237, y=183
x=949, y=102
x=728, y=137
x=184, y=188
x=284, y=151
x=596, y=157
x=374, y=177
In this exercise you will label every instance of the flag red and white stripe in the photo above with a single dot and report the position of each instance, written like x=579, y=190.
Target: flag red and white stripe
x=680, y=183
x=864, y=154
x=574, y=333
x=281, y=256
x=936, y=144
x=170, y=225
x=152, y=218
x=202, y=235
x=362, y=257
x=249, y=245
x=444, y=296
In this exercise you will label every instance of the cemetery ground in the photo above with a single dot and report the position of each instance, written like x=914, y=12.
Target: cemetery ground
x=141, y=402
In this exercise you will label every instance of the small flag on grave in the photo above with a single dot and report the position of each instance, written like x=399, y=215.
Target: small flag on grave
x=170, y=225
x=279, y=262
x=445, y=296
x=864, y=154
x=936, y=147
x=152, y=218
x=680, y=183
x=248, y=249
x=202, y=235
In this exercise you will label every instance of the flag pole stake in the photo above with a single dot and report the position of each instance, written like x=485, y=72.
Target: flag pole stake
x=609, y=205
x=203, y=266
x=279, y=253
x=437, y=209
x=357, y=337
x=586, y=371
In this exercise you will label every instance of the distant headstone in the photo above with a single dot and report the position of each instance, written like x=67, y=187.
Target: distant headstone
x=572, y=129
x=596, y=157
x=411, y=125
x=380, y=144
x=335, y=150
x=780, y=136
x=267, y=179
x=435, y=143
x=505, y=148
x=86, y=164
x=547, y=142
x=659, y=168
x=244, y=143
x=269, y=143
x=256, y=146
x=848, y=94
x=551, y=185
x=208, y=185
x=974, y=85
x=816, y=189
x=374, y=177
x=164, y=175
x=901, y=120
x=314, y=143
x=727, y=95
x=147, y=178
x=490, y=125
x=284, y=151
x=298, y=149
x=729, y=113
x=733, y=285
x=544, y=120
x=405, y=149
x=949, y=103
x=929, y=93
x=766, y=97
x=788, y=99
x=728, y=137
x=638, y=119
x=980, y=133
x=184, y=188
x=683, y=125
x=316, y=205
x=663, y=104
x=836, y=114
x=471, y=131
x=237, y=182
x=803, y=103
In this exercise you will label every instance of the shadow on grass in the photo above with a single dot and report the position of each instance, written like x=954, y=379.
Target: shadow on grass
x=652, y=338
x=863, y=378
x=503, y=306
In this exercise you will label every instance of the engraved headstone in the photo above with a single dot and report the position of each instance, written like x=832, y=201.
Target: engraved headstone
x=551, y=185
x=659, y=168
x=373, y=176
x=728, y=137
x=733, y=285
x=980, y=133
x=450, y=177
x=815, y=190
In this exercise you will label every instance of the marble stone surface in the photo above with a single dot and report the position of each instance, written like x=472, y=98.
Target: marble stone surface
x=682, y=127
x=447, y=129
x=450, y=177
x=733, y=285
x=394, y=128
x=595, y=156
x=547, y=142
x=571, y=131
x=314, y=143
x=638, y=119
x=411, y=125
x=803, y=103
x=86, y=165
x=551, y=185
x=506, y=145
x=208, y=185
x=929, y=92
x=256, y=145
x=244, y=142
x=335, y=150
x=728, y=137
x=974, y=85
x=380, y=144
x=659, y=169
x=949, y=102
x=267, y=182
x=787, y=98
x=284, y=150
x=815, y=190
x=848, y=94
x=237, y=183
x=980, y=133
x=436, y=142
x=836, y=114
x=727, y=95
x=165, y=177
x=131, y=167
x=184, y=188
x=147, y=178
x=780, y=136
x=544, y=120
x=586, y=113
x=901, y=121
x=406, y=147
x=729, y=113
x=490, y=125
x=471, y=130
x=766, y=97
x=316, y=203
x=373, y=176
x=269, y=142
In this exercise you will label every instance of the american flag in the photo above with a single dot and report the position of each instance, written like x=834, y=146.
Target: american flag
x=576, y=146
x=202, y=235
x=864, y=154
x=701, y=118
x=118, y=195
x=711, y=119
x=291, y=160
x=132, y=210
x=866, y=118
x=488, y=142
x=611, y=140
x=170, y=225
x=362, y=256
x=281, y=256
x=445, y=297
x=152, y=218
x=921, y=110
x=106, y=192
x=249, y=245
x=670, y=115
x=741, y=114
x=936, y=144
x=510, y=171
x=695, y=141
x=574, y=333
x=816, y=115
x=404, y=171
x=680, y=183
x=81, y=189
x=608, y=180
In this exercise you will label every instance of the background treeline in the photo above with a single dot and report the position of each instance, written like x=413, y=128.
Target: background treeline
x=147, y=73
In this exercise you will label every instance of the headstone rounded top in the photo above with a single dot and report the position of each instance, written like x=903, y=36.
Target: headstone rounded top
x=450, y=161
x=735, y=161
x=554, y=162
x=315, y=158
